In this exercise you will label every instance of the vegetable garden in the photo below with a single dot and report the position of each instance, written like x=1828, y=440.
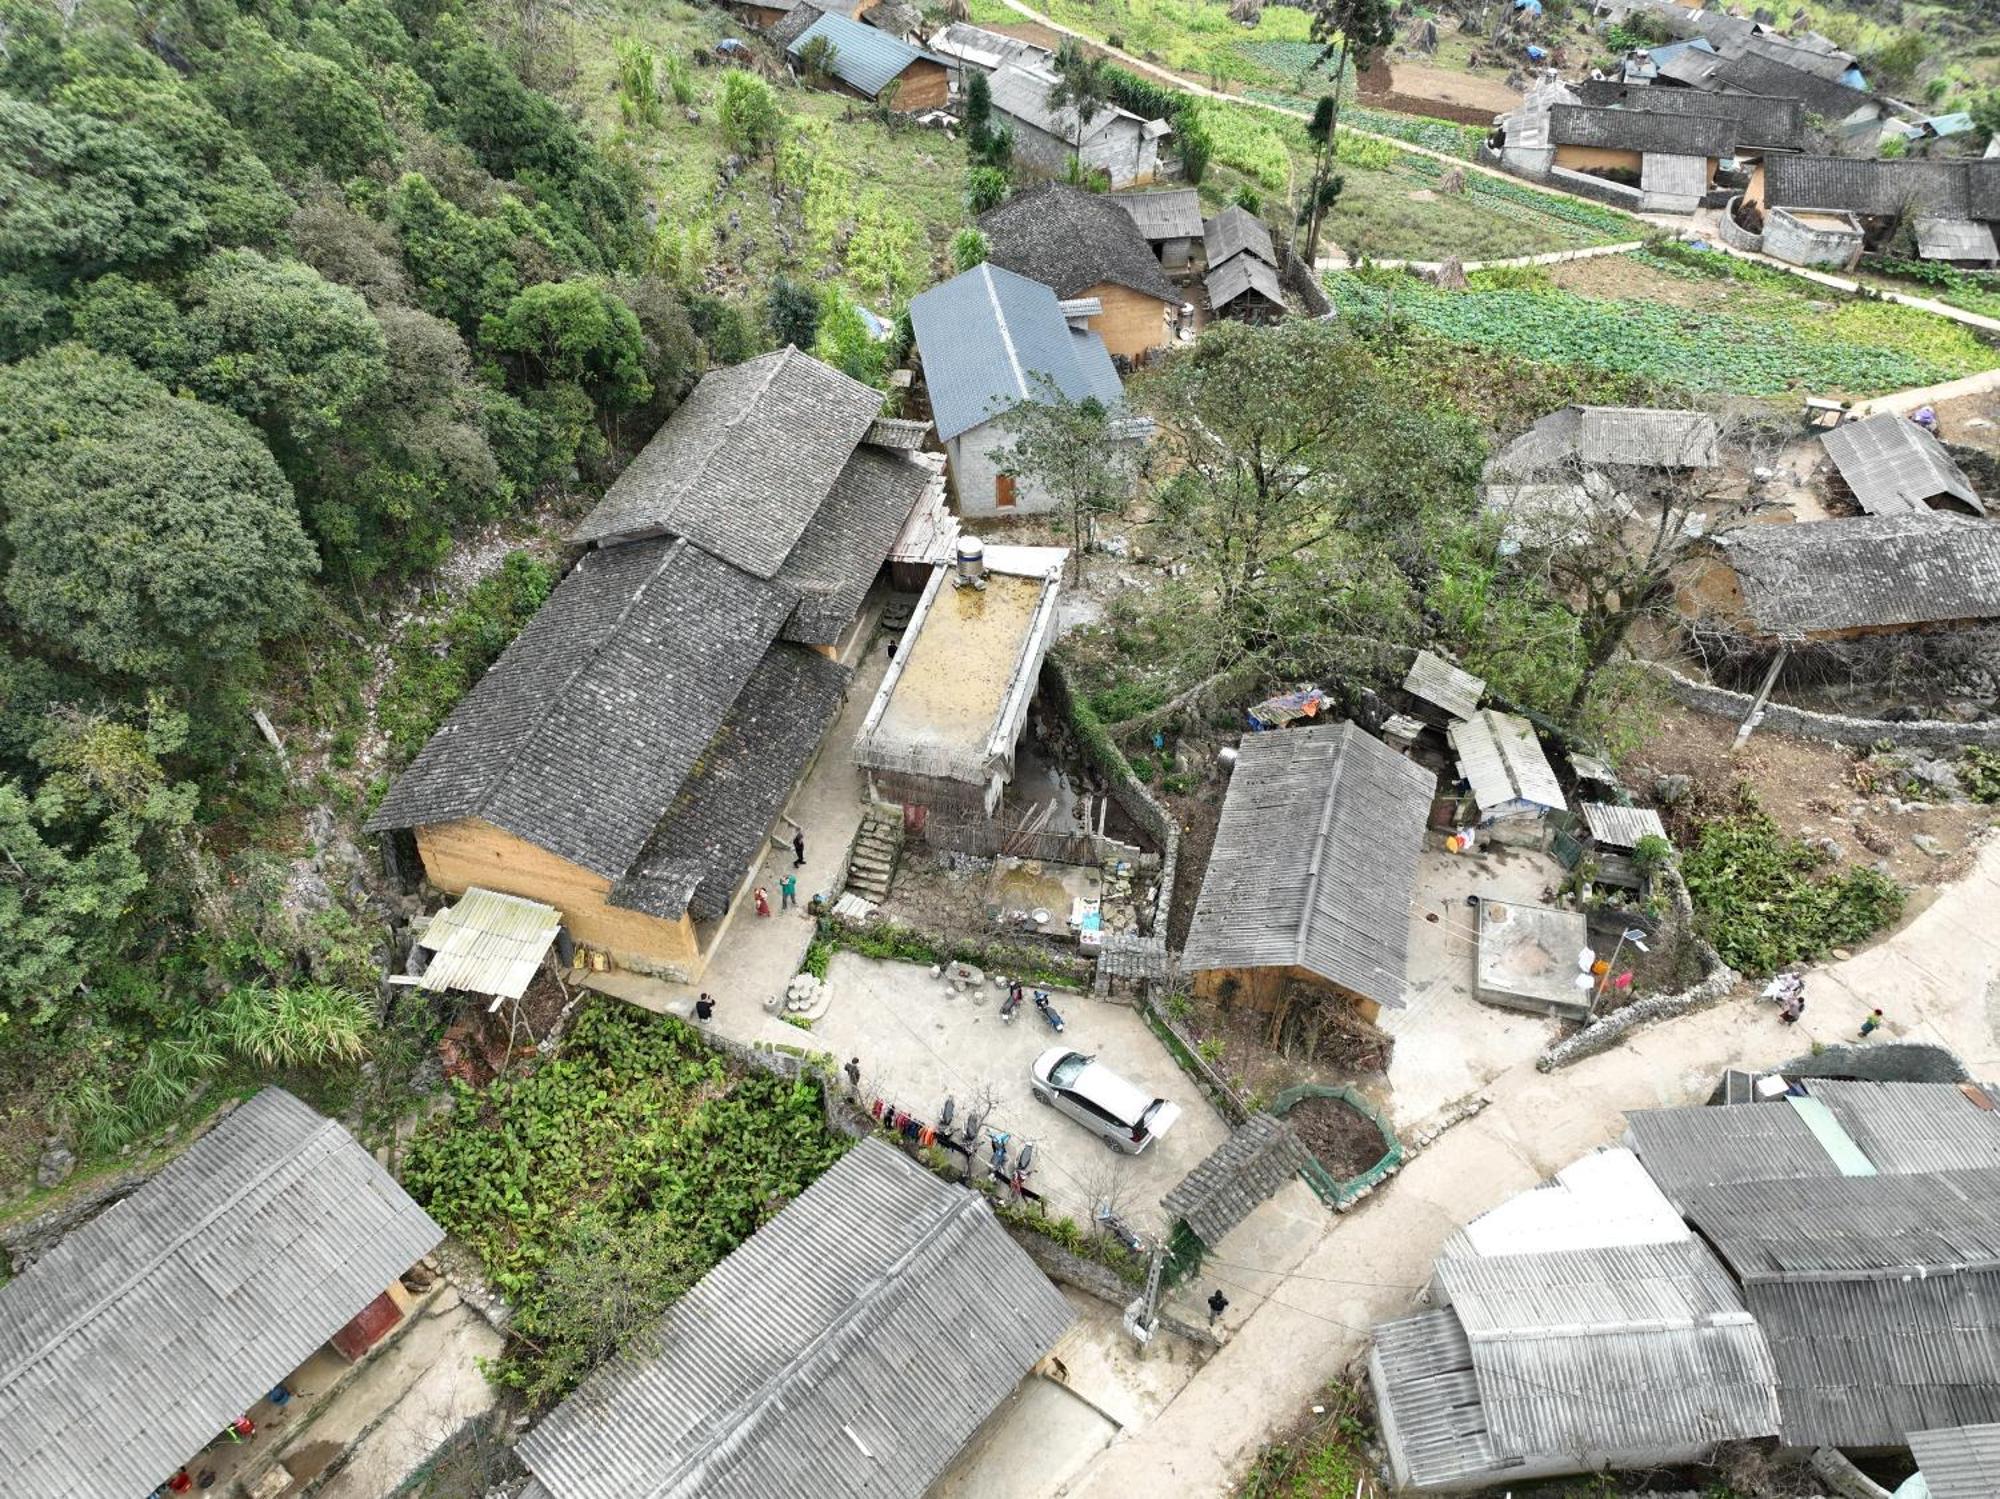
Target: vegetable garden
x=602, y=1184
x=1755, y=333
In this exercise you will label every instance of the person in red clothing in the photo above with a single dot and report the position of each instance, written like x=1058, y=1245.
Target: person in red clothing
x=763, y=902
x=180, y=1483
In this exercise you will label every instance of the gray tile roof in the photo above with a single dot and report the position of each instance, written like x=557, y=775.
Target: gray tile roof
x=1888, y=570
x=1430, y=1410
x=1855, y=185
x=744, y=463
x=1021, y=92
x=1893, y=466
x=581, y=735
x=1828, y=98
x=1863, y=1363
x=850, y=1346
x=1642, y=130
x=1502, y=760
x=1444, y=684
x=843, y=547
x=1959, y=1462
x=991, y=339
x=1233, y=232
x=1955, y=239
x=1071, y=240
x=1647, y=437
x=1907, y=1128
x=148, y=1329
x=1540, y=451
x=1170, y=213
x=1779, y=124
x=865, y=58
x=716, y=827
x=1822, y=61
x=1852, y=1227
x=1239, y=276
x=794, y=24
x=1683, y=1149
x=1258, y=1158
x=1315, y=861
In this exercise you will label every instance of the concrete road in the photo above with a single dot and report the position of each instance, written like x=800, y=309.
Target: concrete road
x=1939, y=979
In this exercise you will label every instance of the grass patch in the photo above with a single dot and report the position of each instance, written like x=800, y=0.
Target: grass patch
x=1327, y=1460
x=433, y=665
x=1758, y=336
x=1766, y=899
x=601, y=1185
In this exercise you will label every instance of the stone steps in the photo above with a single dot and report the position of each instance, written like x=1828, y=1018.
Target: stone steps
x=877, y=847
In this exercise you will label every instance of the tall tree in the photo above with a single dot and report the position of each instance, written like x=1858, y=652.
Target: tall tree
x=1082, y=89
x=1323, y=188
x=1074, y=451
x=1347, y=30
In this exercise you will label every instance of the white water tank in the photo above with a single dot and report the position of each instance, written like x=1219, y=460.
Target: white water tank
x=971, y=565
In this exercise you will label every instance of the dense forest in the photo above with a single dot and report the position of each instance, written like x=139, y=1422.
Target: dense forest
x=289, y=295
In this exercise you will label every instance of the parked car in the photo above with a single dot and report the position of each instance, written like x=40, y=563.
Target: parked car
x=1124, y=1117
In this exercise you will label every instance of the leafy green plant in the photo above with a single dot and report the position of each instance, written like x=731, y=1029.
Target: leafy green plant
x=1979, y=773
x=1766, y=899
x=639, y=85
x=434, y=665
x=1652, y=853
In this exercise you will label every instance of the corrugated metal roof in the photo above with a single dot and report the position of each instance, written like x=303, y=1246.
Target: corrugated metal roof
x=1258, y=1158
x=991, y=340
x=1884, y=571
x=1428, y=1396
x=488, y=943
x=850, y=1346
x=1908, y=1128
x=865, y=58
x=1955, y=239
x=1696, y=1147
x=1597, y=1201
x=1630, y=1288
x=1852, y=1227
x=1444, y=684
x=1959, y=1462
x=1171, y=214
x=1315, y=861
x=964, y=42
x=1839, y=1146
x=1621, y=827
x=1648, y=437
x=1893, y=466
x=1500, y=757
x=1863, y=1363
x=128, y=1346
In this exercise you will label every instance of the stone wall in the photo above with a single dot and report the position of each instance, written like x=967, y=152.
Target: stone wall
x=27, y=1241
x=1586, y=186
x=1830, y=728
x=1789, y=240
x=1296, y=277
x=1734, y=234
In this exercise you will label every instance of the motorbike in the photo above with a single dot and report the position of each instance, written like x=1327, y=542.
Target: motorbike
x=1048, y=1011
x=999, y=1139
x=1116, y=1227
x=1010, y=1004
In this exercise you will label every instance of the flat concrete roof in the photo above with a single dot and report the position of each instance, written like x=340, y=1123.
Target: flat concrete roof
x=1527, y=957
x=960, y=665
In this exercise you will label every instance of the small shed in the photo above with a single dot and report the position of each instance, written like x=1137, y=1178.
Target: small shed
x=1957, y=241
x=488, y=943
x=1169, y=219
x=1502, y=760
x=1439, y=683
x=1613, y=826
x=1244, y=1171
x=1237, y=231
x=1527, y=958
x=868, y=62
x=1955, y=1462
x=1245, y=288
x=1894, y=467
x=1648, y=437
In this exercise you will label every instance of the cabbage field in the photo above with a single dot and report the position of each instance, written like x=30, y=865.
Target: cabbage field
x=1759, y=333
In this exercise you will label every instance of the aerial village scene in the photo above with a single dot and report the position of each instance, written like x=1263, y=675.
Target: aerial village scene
x=994, y=749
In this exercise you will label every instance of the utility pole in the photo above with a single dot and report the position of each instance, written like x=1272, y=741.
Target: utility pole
x=1756, y=712
x=1142, y=1316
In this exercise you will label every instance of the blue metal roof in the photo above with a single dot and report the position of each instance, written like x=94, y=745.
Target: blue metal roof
x=989, y=339
x=864, y=59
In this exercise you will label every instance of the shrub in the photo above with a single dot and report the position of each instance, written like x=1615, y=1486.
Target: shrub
x=434, y=665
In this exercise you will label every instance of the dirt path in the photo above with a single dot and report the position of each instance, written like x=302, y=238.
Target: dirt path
x=1939, y=978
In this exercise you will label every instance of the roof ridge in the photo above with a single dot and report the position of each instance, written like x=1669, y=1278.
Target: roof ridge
x=1006, y=333
x=746, y=1413
x=1314, y=871
x=189, y=1230
x=585, y=660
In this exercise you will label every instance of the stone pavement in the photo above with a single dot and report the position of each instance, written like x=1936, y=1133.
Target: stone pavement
x=1938, y=978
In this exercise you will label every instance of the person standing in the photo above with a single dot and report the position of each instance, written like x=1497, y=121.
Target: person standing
x=799, y=848
x=1872, y=1024
x=788, y=892
x=1217, y=1305
x=763, y=899
x=853, y=1071
x=704, y=1008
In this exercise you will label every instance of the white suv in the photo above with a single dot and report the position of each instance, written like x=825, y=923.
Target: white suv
x=1123, y=1116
